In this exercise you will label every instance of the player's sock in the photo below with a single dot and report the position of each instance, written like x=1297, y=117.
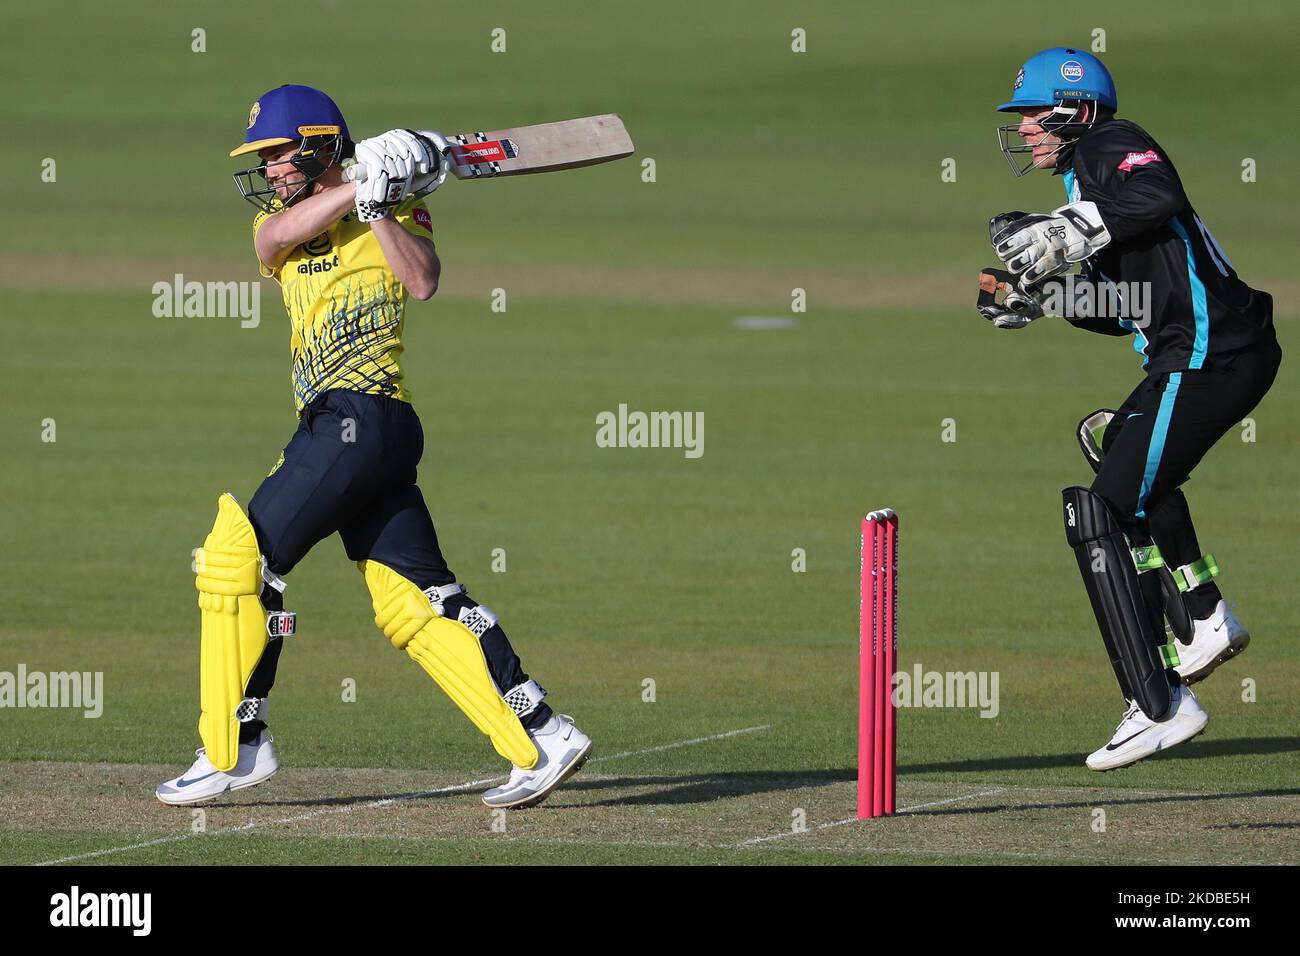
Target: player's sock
x=1202, y=601
x=538, y=718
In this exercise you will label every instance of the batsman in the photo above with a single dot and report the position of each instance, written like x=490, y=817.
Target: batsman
x=347, y=254
x=1209, y=353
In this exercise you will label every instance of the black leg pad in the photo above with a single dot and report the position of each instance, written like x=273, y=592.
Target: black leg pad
x=1128, y=610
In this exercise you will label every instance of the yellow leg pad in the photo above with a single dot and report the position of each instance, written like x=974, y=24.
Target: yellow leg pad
x=233, y=625
x=450, y=654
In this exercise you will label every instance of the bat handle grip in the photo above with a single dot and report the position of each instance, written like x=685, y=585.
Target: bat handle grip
x=434, y=139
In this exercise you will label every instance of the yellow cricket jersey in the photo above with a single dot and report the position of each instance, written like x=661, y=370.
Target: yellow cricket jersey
x=346, y=308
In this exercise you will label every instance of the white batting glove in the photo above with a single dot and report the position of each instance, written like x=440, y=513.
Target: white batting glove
x=1038, y=246
x=412, y=154
x=383, y=186
x=391, y=162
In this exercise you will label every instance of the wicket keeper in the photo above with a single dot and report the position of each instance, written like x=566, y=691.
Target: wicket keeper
x=1209, y=354
x=347, y=255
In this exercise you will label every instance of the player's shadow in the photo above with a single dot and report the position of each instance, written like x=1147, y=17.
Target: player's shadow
x=1192, y=750
x=665, y=789
x=707, y=788
x=703, y=788
x=1089, y=803
x=380, y=799
x=675, y=789
x=681, y=789
x=1254, y=826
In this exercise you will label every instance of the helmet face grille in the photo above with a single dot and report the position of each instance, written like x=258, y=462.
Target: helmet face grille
x=1062, y=123
x=315, y=155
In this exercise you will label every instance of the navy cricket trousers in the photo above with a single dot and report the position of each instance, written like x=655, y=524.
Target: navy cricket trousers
x=1161, y=432
x=350, y=467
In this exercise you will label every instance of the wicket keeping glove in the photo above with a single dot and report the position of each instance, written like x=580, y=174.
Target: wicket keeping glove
x=1036, y=247
x=1018, y=307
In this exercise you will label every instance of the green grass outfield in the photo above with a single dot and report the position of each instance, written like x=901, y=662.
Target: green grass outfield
x=775, y=171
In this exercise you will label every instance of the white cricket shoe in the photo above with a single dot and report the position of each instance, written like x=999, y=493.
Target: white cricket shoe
x=203, y=781
x=1139, y=736
x=562, y=749
x=1218, y=638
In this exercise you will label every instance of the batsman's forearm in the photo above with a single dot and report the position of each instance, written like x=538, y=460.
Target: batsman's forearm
x=413, y=259
x=301, y=221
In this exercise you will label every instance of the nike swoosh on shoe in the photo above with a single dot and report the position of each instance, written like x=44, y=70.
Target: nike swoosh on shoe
x=1126, y=739
x=185, y=783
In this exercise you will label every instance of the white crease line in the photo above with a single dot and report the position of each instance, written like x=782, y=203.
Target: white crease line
x=752, y=841
x=683, y=743
x=116, y=849
x=374, y=804
x=939, y=803
x=253, y=824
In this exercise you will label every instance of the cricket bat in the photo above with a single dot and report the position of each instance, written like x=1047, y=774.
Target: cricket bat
x=544, y=148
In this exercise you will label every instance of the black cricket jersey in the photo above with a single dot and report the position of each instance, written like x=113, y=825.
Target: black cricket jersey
x=1199, y=312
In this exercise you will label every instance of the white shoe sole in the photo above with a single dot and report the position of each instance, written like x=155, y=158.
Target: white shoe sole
x=1234, y=648
x=533, y=799
x=1161, y=743
x=250, y=782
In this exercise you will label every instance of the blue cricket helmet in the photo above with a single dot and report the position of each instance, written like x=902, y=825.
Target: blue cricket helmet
x=292, y=114
x=288, y=114
x=1061, y=73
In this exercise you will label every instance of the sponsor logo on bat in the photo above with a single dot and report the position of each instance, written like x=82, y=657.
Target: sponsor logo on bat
x=494, y=151
x=474, y=153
